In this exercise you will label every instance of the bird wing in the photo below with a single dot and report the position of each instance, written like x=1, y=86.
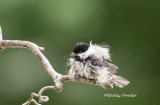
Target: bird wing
x=111, y=67
x=101, y=62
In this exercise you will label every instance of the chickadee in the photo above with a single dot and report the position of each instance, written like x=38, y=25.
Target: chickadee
x=91, y=61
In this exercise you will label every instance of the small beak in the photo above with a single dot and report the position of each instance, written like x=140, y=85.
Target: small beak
x=73, y=54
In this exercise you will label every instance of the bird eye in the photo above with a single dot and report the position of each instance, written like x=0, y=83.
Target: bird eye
x=78, y=58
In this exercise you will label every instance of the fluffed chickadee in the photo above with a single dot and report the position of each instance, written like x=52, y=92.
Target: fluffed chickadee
x=91, y=61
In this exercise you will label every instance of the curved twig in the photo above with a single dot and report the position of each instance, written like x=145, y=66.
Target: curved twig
x=39, y=96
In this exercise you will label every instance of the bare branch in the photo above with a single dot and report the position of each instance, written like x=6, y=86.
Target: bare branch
x=57, y=78
x=36, y=51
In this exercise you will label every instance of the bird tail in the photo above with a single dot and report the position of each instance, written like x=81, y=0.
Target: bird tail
x=121, y=82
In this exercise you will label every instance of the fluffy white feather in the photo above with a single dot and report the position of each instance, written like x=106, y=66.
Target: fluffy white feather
x=96, y=50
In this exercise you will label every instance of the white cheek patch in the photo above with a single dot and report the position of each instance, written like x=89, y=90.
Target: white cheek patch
x=83, y=56
x=90, y=51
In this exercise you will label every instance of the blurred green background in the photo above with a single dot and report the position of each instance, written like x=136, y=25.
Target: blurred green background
x=130, y=27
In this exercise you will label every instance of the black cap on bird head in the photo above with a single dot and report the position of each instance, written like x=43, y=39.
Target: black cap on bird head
x=80, y=47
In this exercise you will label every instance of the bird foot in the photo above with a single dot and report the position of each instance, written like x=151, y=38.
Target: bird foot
x=77, y=76
x=94, y=81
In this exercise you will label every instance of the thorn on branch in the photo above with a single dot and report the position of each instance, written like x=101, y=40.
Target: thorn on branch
x=1, y=48
x=41, y=48
x=0, y=33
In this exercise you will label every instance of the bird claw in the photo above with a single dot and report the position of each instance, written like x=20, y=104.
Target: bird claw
x=77, y=76
x=94, y=81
